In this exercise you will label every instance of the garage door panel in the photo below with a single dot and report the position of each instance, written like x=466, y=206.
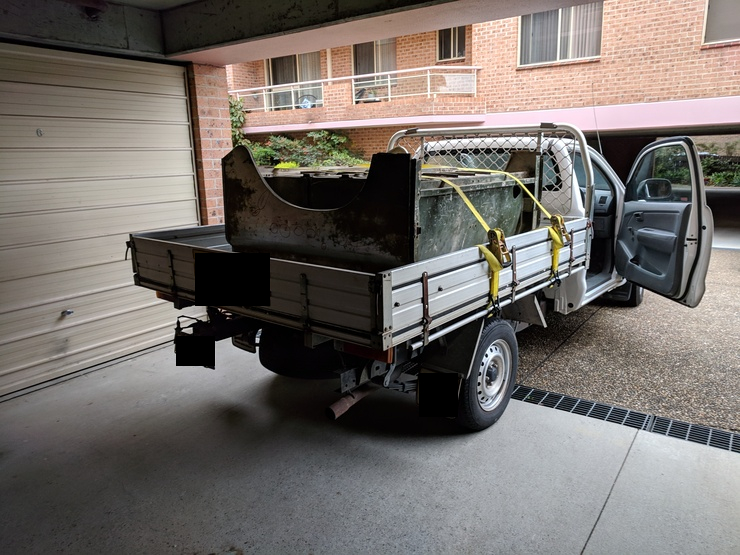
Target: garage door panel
x=28, y=165
x=65, y=195
x=45, y=132
x=88, y=72
x=91, y=149
x=76, y=339
x=63, y=226
x=91, y=78
x=64, y=285
x=58, y=257
x=86, y=308
x=20, y=378
x=38, y=359
x=23, y=99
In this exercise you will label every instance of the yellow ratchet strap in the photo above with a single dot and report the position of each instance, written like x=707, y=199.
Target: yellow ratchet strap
x=496, y=267
x=466, y=200
x=559, y=235
x=497, y=257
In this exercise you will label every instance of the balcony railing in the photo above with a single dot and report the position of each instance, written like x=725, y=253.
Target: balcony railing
x=373, y=87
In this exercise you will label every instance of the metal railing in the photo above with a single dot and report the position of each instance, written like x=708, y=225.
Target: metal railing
x=372, y=87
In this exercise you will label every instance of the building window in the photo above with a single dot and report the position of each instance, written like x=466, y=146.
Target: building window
x=722, y=22
x=369, y=58
x=295, y=69
x=451, y=43
x=375, y=57
x=564, y=34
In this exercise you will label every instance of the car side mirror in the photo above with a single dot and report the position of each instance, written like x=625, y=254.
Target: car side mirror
x=655, y=188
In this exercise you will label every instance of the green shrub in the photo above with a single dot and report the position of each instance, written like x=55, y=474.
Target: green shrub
x=318, y=148
x=725, y=179
x=236, y=113
x=721, y=171
x=286, y=165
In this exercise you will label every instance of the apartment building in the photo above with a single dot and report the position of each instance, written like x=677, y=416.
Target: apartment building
x=627, y=69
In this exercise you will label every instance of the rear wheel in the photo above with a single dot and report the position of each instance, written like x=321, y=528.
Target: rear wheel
x=486, y=392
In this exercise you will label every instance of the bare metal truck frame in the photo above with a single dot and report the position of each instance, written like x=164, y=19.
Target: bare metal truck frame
x=430, y=260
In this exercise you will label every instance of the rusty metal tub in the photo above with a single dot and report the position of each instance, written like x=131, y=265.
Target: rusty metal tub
x=367, y=220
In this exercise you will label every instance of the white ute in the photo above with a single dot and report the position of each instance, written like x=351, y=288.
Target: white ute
x=425, y=264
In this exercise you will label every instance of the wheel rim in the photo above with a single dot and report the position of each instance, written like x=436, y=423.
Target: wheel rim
x=494, y=373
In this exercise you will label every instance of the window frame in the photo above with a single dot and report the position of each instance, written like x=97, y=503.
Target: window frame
x=377, y=82
x=704, y=40
x=455, y=38
x=376, y=59
x=298, y=70
x=559, y=38
x=296, y=65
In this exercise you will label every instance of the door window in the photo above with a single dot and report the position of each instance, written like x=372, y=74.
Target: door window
x=601, y=182
x=282, y=71
x=663, y=175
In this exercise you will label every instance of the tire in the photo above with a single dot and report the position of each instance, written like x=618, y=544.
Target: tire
x=636, y=295
x=485, y=394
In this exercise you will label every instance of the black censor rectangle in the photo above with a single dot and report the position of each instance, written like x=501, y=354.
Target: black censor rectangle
x=232, y=279
x=438, y=394
x=195, y=350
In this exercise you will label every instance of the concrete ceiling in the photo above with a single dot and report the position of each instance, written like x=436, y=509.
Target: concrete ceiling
x=221, y=32
x=245, y=32
x=156, y=5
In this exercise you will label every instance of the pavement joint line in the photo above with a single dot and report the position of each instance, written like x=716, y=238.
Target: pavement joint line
x=611, y=489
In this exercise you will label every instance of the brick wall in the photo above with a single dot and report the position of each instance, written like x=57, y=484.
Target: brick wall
x=212, y=136
x=370, y=140
x=650, y=52
x=246, y=75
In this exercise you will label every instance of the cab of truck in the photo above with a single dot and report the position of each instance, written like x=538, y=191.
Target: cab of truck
x=654, y=232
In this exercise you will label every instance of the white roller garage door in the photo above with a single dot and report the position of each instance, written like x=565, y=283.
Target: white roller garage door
x=91, y=148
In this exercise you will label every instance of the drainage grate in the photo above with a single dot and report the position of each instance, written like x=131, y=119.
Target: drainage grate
x=697, y=434
x=638, y=420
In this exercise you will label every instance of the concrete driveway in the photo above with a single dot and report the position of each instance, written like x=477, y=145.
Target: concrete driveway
x=661, y=358
x=144, y=457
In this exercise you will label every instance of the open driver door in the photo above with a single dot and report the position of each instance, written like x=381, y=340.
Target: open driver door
x=665, y=238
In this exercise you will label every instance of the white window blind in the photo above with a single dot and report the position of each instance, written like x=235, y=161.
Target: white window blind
x=295, y=69
x=375, y=57
x=723, y=21
x=564, y=34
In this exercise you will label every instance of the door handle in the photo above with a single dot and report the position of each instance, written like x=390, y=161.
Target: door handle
x=639, y=217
